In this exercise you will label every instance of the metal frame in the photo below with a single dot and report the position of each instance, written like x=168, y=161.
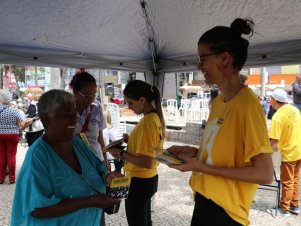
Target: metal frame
x=273, y=187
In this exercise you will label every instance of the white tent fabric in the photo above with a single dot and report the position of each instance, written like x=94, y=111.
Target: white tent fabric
x=141, y=35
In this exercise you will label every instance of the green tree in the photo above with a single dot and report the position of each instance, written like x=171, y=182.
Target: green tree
x=19, y=72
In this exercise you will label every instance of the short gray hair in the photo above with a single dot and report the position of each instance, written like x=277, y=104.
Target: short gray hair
x=5, y=97
x=53, y=100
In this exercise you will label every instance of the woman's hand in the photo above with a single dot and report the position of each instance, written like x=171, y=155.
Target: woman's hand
x=183, y=150
x=114, y=151
x=190, y=164
x=103, y=201
x=112, y=175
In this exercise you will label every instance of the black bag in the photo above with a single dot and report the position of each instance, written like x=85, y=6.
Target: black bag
x=112, y=209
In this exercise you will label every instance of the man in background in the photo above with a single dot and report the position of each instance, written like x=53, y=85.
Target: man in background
x=296, y=89
x=285, y=133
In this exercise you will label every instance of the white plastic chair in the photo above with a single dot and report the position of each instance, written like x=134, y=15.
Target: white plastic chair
x=172, y=107
x=185, y=104
x=195, y=110
x=115, y=114
x=119, y=127
x=204, y=108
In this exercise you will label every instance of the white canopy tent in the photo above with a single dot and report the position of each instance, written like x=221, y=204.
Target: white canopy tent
x=153, y=36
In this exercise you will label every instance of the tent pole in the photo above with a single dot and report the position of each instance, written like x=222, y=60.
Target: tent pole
x=151, y=40
x=263, y=81
x=1, y=77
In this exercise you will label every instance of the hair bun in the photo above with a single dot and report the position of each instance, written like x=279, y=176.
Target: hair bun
x=242, y=26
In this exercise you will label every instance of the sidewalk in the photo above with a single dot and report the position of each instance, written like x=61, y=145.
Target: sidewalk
x=173, y=202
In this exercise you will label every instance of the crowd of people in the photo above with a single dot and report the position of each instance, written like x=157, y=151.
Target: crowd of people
x=65, y=173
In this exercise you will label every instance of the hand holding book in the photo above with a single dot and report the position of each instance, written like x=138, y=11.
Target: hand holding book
x=119, y=187
x=163, y=156
x=115, y=144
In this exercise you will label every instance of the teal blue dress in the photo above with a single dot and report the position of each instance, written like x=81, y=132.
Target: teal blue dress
x=45, y=179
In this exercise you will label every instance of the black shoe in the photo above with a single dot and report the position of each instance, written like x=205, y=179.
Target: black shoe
x=12, y=182
x=1, y=181
x=295, y=210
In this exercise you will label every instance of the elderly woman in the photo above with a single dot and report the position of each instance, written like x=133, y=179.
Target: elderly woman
x=61, y=181
x=10, y=122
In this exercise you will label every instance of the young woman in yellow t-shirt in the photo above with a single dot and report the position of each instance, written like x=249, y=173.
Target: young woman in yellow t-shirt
x=234, y=154
x=140, y=162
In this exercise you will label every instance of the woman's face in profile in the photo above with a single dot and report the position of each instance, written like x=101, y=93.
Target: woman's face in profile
x=208, y=60
x=134, y=105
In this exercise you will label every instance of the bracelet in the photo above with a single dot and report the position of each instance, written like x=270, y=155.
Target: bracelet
x=121, y=154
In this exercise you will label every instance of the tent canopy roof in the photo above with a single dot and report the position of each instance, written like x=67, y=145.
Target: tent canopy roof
x=141, y=35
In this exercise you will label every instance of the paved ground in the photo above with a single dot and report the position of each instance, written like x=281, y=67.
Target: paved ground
x=173, y=202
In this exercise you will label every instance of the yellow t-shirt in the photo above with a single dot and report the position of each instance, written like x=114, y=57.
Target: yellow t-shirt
x=147, y=133
x=235, y=132
x=286, y=128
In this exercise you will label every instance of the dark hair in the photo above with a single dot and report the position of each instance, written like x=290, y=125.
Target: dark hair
x=80, y=79
x=228, y=39
x=137, y=88
x=243, y=78
x=213, y=94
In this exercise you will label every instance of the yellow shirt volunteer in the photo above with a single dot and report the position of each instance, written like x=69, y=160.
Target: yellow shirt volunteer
x=286, y=127
x=235, y=132
x=147, y=133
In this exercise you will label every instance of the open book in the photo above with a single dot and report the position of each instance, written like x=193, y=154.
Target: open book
x=119, y=187
x=115, y=144
x=163, y=156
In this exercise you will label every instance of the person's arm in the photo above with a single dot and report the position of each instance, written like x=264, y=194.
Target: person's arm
x=259, y=172
x=67, y=206
x=101, y=141
x=25, y=123
x=139, y=160
x=183, y=150
x=274, y=144
x=297, y=88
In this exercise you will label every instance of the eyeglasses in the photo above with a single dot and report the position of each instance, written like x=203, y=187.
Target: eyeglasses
x=201, y=57
x=88, y=96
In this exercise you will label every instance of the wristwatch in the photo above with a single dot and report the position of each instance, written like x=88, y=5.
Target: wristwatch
x=121, y=154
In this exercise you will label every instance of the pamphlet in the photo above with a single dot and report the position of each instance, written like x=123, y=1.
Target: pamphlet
x=119, y=187
x=163, y=156
x=115, y=144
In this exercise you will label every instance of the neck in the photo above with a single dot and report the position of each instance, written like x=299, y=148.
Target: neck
x=231, y=86
x=278, y=105
x=80, y=107
x=147, y=109
x=60, y=147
